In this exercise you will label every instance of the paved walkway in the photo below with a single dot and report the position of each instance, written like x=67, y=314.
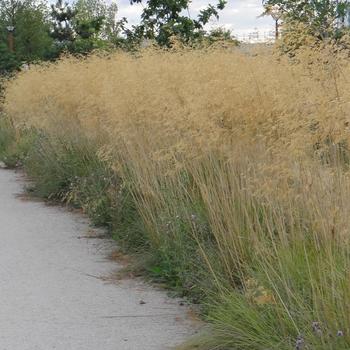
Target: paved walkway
x=51, y=292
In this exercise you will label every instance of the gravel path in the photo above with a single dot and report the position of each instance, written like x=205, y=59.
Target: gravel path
x=54, y=293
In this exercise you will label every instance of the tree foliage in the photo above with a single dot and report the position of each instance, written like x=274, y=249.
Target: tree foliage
x=31, y=30
x=324, y=18
x=162, y=19
x=99, y=16
x=62, y=17
x=32, y=38
x=84, y=26
x=8, y=61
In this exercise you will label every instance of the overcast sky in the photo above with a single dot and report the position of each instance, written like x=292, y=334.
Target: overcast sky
x=239, y=15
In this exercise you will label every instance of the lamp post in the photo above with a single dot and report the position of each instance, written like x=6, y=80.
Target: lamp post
x=10, y=38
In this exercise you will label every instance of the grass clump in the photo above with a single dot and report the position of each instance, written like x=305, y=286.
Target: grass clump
x=7, y=137
x=228, y=169
x=14, y=143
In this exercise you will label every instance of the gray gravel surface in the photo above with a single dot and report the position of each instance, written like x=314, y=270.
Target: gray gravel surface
x=55, y=290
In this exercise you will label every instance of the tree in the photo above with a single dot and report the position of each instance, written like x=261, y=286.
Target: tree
x=275, y=12
x=162, y=19
x=324, y=18
x=221, y=35
x=32, y=37
x=62, y=16
x=99, y=16
x=87, y=36
x=89, y=9
x=85, y=26
x=8, y=60
x=113, y=27
x=28, y=18
x=10, y=8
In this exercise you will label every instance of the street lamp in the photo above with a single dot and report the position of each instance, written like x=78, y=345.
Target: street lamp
x=10, y=38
